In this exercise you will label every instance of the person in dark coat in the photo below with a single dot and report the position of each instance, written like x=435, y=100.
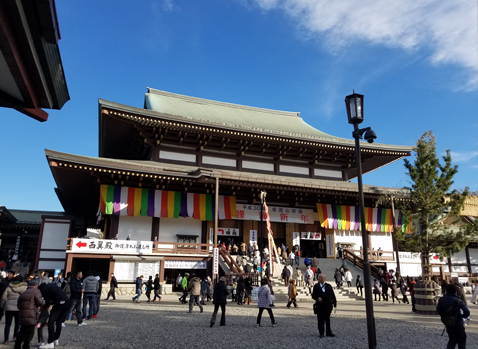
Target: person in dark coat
x=359, y=284
x=377, y=290
x=53, y=295
x=384, y=289
x=98, y=294
x=286, y=275
x=324, y=296
x=247, y=289
x=394, y=290
x=220, y=300
x=204, y=290
x=240, y=290
x=156, y=288
x=3, y=286
x=139, y=287
x=113, y=286
x=28, y=304
x=76, y=289
x=451, y=304
x=149, y=288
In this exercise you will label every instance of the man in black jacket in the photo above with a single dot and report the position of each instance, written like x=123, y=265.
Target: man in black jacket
x=76, y=288
x=113, y=286
x=156, y=288
x=53, y=295
x=449, y=307
x=324, y=296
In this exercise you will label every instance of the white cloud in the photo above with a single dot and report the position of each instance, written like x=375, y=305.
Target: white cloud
x=464, y=156
x=447, y=29
x=168, y=5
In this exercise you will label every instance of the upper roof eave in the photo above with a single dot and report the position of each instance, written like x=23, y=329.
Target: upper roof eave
x=324, y=138
x=153, y=167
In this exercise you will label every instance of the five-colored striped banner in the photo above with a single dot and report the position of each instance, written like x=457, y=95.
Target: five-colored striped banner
x=128, y=201
x=348, y=218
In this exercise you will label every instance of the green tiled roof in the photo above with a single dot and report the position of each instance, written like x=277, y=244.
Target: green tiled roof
x=245, y=118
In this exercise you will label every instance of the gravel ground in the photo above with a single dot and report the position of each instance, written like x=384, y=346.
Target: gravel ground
x=123, y=324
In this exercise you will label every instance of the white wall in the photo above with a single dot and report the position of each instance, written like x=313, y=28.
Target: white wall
x=349, y=236
x=126, y=270
x=293, y=169
x=170, y=227
x=255, y=165
x=139, y=227
x=212, y=160
x=327, y=173
x=171, y=155
x=383, y=240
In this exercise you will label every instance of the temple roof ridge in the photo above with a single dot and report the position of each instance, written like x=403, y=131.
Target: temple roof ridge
x=204, y=101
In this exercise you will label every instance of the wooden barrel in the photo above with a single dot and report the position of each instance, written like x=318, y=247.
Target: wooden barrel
x=426, y=295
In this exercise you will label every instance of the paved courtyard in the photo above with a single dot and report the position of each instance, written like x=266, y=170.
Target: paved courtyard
x=167, y=324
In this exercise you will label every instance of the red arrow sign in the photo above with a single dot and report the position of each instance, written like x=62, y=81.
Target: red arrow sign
x=81, y=244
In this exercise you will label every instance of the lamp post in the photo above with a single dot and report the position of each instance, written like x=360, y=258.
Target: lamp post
x=354, y=105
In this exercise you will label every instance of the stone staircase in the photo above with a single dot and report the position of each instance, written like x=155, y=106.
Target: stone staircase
x=327, y=267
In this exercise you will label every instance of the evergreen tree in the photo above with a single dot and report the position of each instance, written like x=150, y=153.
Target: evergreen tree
x=430, y=203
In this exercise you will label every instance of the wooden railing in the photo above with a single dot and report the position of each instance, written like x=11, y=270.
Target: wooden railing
x=358, y=261
x=231, y=263
x=256, y=278
x=375, y=255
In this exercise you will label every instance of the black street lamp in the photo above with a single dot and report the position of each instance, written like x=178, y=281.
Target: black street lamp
x=354, y=105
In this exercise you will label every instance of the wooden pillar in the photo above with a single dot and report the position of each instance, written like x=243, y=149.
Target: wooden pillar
x=69, y=262
x=246, y=231
x=290, y=228
x=161, y=272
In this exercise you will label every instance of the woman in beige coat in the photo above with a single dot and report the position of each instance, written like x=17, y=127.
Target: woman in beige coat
x=9, y=303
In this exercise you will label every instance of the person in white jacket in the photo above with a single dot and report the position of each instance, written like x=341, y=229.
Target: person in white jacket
x=348, y=277
x=264, y=301
x=474, y=299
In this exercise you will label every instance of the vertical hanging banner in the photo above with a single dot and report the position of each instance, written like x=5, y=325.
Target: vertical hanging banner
x=329, y=240
x=216, y=261
x=296, y=239
x=253, y=236
x=211, y=238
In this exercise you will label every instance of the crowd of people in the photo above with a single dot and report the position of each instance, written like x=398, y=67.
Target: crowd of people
x=37, y=301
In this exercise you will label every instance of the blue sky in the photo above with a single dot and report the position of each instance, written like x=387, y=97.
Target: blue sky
x=415, y=62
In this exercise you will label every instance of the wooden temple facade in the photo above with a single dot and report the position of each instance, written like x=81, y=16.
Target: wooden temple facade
x=155, y=177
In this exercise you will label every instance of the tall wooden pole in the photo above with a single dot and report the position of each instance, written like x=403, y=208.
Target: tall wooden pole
x=394, y=239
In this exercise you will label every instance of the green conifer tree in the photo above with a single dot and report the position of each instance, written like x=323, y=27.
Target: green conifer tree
x=430, y=203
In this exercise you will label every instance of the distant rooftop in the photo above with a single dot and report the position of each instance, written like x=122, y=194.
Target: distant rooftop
x=24, y=216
